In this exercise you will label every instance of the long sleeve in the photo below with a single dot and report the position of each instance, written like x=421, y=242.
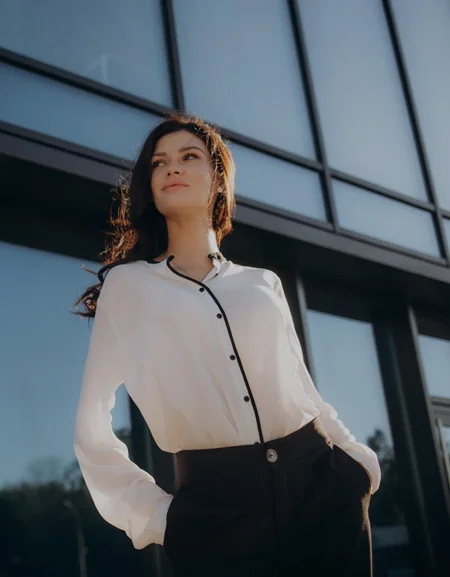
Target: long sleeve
x=339, y=434
x=124, y=494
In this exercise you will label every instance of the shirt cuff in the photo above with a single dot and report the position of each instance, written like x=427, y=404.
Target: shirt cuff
x=160, y=520
x=369, y=461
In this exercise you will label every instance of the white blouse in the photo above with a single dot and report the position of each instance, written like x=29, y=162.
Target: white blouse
x=209, y=364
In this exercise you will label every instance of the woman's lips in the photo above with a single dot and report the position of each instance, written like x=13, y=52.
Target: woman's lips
x=174, y=186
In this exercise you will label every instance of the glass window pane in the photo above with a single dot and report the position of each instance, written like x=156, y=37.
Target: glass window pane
x=447, y=231
x=385, y=219
x=443, y=434
x=357, y=395
x=240, y=69
x=42, y=353
x=114, y=43
x=71, y=114
x=435, y=355
x=361, y=104
x=277, y=182
x=424, y=32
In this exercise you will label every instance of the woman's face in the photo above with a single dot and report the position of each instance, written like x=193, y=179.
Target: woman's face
x=181, y=157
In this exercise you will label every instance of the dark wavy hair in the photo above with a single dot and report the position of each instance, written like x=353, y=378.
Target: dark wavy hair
x=139, y=232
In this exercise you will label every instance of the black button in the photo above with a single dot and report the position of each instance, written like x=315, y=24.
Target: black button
x=232, y=357
x=201, y=289
x=219, y=316
x=246, y=399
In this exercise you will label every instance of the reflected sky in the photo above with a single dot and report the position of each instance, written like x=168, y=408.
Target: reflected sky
x=43, y=348
x=374, y=215
x=348, y=374
x=435, y=355
x=348, y=377
x=71, y=113
x=240, y=70
x=277, y=182
x=423, y=28
x=120, y=48
x=360, y=98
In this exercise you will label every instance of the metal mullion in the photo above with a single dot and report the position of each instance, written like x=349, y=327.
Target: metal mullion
x=382, y=191
x=173, y=53
x=270, y=149
x=369, y=240
x=424, y=517
x=413, y=499
x=118, y=95
x=61, y=160
x=302, y=325
x=278, y=211
x=78, y=81
x=66, y=146
x=293, y=286
x=414, y=117
x=114, y=162
x=266, y=211
x=311, y=101
x=319, y=240
x=419, y=407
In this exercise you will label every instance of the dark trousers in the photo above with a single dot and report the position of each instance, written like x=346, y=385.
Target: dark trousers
x=295, y=506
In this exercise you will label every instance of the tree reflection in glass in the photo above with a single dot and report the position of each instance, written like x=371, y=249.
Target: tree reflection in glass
x=348, y=376
x=50, y=526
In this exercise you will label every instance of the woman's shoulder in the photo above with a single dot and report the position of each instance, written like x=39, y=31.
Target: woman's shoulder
x=117, y=274
x=121, y=272
x=118, y=281
x=258, y=273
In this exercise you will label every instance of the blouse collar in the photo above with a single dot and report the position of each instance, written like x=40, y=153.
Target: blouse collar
x=163, y=266
x=212, y=255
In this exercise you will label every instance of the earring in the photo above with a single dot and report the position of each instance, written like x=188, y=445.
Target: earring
x=220, y=190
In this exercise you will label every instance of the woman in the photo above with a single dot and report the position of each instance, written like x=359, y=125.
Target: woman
x=269, y=480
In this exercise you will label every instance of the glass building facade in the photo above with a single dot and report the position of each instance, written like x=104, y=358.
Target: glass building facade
x=338, y=115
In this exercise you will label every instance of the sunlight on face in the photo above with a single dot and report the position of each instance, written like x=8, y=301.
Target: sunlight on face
x=181, y=156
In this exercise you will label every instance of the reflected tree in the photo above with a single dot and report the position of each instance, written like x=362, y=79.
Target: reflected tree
x=386, y=504
x=41, y=536
x=392, y=554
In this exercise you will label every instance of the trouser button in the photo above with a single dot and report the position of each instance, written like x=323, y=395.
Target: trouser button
x=272, y=455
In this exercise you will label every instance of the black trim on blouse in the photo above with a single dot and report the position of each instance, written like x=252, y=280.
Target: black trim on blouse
x=230, y=334
x=218, y=255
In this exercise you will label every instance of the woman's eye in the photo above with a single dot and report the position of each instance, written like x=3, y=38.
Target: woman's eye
x=156, y=162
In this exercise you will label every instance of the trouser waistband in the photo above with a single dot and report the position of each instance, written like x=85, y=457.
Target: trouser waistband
x=196, y=465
